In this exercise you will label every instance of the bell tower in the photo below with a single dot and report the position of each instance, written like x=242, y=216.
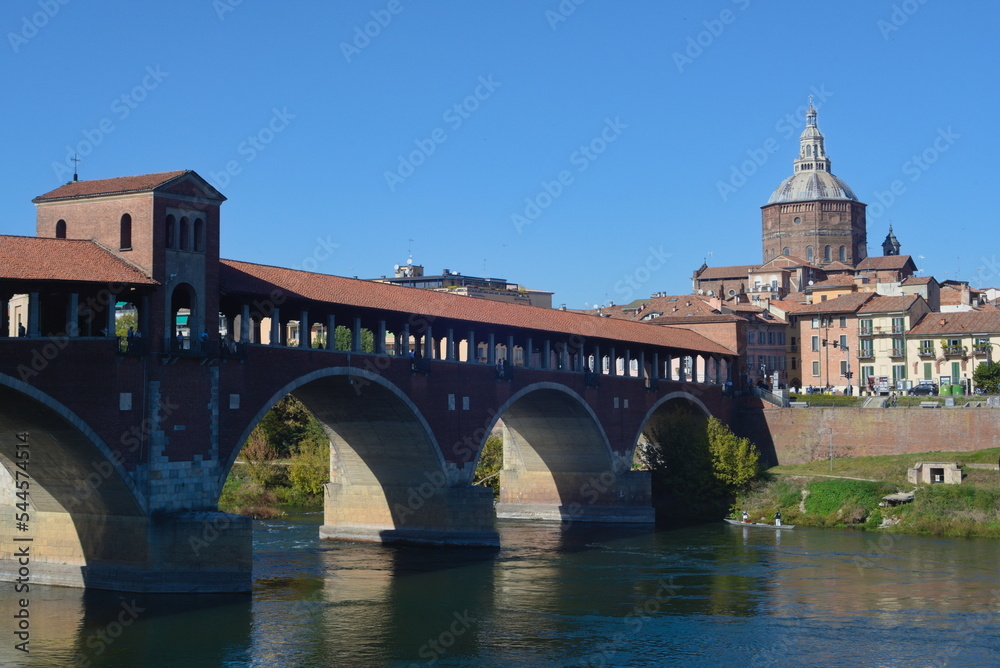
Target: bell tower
x=165, y=224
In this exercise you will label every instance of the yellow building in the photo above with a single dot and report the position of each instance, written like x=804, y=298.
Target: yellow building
x=947, y=347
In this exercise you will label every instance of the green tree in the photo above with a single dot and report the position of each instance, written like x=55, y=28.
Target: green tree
x=734, y=459
x=289, y=423
x=125, y=320
x=490, y=463
x=310, y=467
x=987, y=376
x=343, y=339
x=259, y=456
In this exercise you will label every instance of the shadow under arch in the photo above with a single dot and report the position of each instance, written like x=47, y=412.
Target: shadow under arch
x=388, y=479
x=666, y=403
x=86, y=511
x=558, y=462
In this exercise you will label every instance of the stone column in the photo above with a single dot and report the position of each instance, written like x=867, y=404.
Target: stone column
x=598, y=362
x=642, y=364
x=276, y=326
x=510, y=352
x=529, y=354
x=472, y=356
x=669, y=375
x=356, y=336
x=404, y=345
x=380, y=338
x=73, y=315
x=449, y=345
x=245, y=323
x=656, y=366
x=428, y=343
x=305, y=333
x=112, y=324
x=491, y=350
x=627, y=364
x=612, y=362
x=4, y=315
x=547, y=354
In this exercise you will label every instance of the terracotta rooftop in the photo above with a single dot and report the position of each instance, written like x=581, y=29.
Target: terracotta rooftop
x=835, y=281
x=789, y=306
x=44, y=259
x=735, y=271
x=884, y=262
x=837, y=265
x=788, y=262
x=843, y=304
x=116, y=186
x=963, y=322
x=880, y=304
x=918, y=280
x=256, y=279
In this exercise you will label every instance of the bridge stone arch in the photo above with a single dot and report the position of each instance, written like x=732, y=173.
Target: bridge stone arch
x=388, y=478
x=559, y=464
x=679, y=398
x=87, y=517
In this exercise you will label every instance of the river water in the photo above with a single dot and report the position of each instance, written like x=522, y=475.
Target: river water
x=551, y=596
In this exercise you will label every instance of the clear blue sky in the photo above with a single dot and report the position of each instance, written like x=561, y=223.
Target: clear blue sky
x=892, y=78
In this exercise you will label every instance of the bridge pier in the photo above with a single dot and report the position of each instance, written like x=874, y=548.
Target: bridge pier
x=428, y=512
x=187, y=552
x=608, y=496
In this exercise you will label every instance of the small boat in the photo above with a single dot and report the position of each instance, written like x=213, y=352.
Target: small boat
x=759, y=524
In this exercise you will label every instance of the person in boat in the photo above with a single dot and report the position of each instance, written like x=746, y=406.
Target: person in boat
x=746, y=518
x=777, y=519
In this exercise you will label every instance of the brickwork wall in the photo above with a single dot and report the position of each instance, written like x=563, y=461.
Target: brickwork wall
x=795, y=435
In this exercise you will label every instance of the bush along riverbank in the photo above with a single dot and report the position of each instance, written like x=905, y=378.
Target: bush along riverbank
x=284, y=464
x=852, y=495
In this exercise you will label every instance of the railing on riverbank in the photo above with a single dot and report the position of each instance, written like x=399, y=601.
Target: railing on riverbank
x=771, y=397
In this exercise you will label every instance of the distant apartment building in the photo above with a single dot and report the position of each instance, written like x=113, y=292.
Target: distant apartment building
x=947, y=347
x=497, y=289
x=882, y=353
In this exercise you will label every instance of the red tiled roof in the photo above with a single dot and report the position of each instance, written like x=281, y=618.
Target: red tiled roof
x=918, y=280
x=788, y=262
x=256, y=279
x=43, y=259
x=796, y=297
x=115, y=186
x=881, y=304
x=883, y=262
x=963, y=322
x=843, y=304
x=735, y=271
x=837, y=265
x=789, y=306
x=835, y=281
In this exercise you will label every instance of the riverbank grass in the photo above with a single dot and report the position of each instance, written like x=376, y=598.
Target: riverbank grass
x=851, y=495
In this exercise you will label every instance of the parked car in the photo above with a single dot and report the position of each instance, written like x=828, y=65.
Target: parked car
x=923, y=390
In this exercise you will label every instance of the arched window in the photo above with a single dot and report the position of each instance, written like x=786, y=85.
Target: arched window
x=126, y=233
x=843, y=254
x=809, y=253
x=784, y=251
x=60, y=229
x=170, y=231
x=199, y=235
x=184, y=241
x=826, y=254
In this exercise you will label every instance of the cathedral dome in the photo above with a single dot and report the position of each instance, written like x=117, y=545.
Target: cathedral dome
x=809, y=185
